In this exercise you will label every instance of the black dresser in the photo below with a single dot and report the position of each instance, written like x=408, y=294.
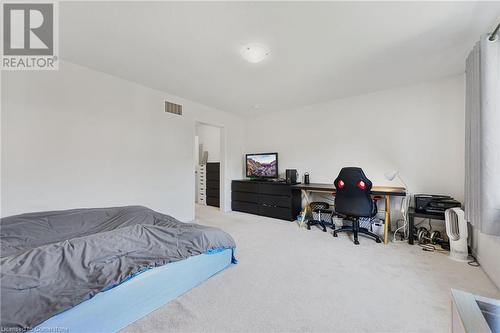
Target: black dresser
x=213, y=184
x=270, y=199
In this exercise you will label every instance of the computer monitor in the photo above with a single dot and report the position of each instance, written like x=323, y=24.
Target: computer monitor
x=263, y=165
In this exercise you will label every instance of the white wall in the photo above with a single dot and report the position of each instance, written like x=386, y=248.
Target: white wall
x=209, y=137
x=416, y=129
x=81, y=138
x=487, y=249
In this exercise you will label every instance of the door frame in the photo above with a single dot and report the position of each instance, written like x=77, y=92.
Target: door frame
x=223, y=158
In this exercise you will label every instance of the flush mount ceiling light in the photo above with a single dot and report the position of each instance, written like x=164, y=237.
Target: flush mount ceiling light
x=254, y=52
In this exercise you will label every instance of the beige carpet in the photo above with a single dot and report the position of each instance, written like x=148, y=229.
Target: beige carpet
x=293, y=280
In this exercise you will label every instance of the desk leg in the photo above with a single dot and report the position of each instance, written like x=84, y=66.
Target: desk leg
x=387, y=222
x=411, y=226
x=304, y=211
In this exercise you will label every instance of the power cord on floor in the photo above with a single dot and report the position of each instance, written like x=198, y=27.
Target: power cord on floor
x=405, y=204
x=473, y=262
x=432, y=248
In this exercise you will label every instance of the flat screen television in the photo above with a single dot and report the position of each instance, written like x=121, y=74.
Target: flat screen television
x=263, y=165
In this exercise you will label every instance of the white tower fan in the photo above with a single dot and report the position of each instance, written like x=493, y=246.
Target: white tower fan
x=456, y=229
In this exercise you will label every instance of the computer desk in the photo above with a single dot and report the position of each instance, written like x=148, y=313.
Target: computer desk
x=384, y=191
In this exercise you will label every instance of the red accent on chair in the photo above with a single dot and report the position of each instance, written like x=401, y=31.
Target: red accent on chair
x=361, y=184
x=340, y=184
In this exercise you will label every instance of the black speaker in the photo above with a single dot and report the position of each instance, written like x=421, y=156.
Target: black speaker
x=291, y=176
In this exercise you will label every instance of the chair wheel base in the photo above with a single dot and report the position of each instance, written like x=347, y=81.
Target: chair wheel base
x=308, y=227
x=335, y=234
x=378, y=240
x=356, y=242
x=324, y=230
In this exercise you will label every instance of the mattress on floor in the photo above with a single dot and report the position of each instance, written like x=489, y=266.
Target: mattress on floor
x=53, y=261
x=112, y=310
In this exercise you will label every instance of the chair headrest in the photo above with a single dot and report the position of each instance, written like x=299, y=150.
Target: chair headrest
x=352, y=177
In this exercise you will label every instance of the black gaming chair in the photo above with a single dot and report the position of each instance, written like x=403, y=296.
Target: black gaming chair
x=353, y=200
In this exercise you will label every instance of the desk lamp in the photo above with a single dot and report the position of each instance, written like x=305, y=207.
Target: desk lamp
x=390, y=175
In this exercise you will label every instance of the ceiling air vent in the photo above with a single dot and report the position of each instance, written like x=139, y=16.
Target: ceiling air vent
x=173, y=108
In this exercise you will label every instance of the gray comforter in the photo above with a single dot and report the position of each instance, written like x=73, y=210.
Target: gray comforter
x=52, y=261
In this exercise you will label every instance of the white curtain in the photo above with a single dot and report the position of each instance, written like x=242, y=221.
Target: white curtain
x=482, y=145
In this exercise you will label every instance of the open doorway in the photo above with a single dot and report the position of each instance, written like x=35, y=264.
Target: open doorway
x=209, y=164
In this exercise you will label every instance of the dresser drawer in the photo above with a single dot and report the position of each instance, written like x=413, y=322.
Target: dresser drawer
x=213, y=175
x=245, y=196
x=213, y=201
x=213, y=167
x=245, y=187
x=276, y=189
x=275, y=200
x=246, y=207
x=213, y=184
x=213, y=192
x=276, y=212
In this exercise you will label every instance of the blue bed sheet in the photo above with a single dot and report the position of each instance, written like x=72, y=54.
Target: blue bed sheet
x=112, y=310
